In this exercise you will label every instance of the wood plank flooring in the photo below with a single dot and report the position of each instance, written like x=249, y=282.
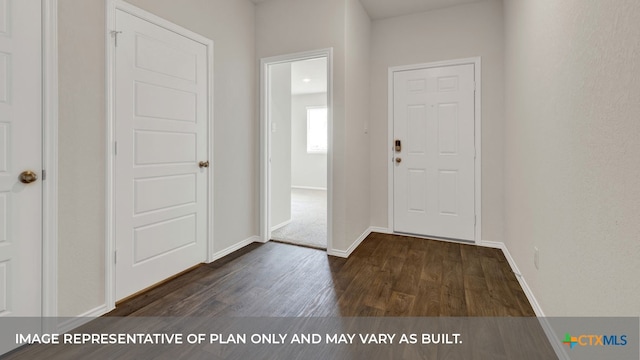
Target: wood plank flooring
x=387, y=275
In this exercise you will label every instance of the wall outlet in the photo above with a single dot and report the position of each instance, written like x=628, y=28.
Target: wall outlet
x=536, y=257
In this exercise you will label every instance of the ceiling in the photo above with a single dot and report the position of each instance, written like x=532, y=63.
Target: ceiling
x=309, y=76
x=380, y=9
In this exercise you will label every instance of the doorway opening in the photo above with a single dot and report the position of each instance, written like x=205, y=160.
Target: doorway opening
x=296, y=139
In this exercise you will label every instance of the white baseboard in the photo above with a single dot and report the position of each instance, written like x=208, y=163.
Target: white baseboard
x=514, y=267
x=346, y=253
x=380, y=230
x=222, y=253
x=308, y=188
x=81, y=319
x=274, y=228
x=554, y=339
x=493, y=245
x=86, y=317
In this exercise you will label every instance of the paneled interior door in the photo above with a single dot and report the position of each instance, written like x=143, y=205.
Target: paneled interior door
x=20, y=158
x=161, y=125
x=20, y=162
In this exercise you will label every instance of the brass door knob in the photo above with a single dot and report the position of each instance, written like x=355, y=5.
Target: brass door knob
x=398, y=160
x=204, y=164
x=28, y=176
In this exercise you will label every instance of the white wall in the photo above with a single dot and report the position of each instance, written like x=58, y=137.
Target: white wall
x=357, y=112
x=572, y=150
x=280, y=116
x=307, y=170
x=230, y=24
x=452, y=33
x=82, y=146
x=563, y=144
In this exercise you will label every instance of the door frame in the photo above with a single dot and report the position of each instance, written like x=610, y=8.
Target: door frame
x=50, y=161
x=477, y=63
x=110, y=240
x=265, y=139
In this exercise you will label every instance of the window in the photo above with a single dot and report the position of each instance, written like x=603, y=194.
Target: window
x=316, y=130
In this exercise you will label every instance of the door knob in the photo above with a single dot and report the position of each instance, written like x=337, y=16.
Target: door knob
x=28, y=176
x=204, y=164
x=398, y=160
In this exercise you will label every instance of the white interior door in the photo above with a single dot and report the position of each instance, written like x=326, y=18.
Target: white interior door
x=20, y=150
x=434, y=168
x=161, y=125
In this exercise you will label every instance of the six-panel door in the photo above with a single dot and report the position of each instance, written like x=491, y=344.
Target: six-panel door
x=433, y=114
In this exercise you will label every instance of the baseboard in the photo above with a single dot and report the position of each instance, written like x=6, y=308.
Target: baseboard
x=516, y=271
x=553, y=338
x=86, y=317
x=493, y=245
x=281, y=225
x=81, y=319
x=514, y=267
x=309, y=188
x=380, y=230
x=222, y=253
x=346, y=253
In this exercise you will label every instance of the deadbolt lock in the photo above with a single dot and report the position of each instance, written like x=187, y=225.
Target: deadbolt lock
x=398, y=145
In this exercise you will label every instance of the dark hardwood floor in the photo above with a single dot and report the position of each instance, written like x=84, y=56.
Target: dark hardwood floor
x=431, y=285
x=387, y=275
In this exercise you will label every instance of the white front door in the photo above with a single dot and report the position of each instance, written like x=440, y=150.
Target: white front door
x=20, y=151
x=161, y=125
x=434, y=163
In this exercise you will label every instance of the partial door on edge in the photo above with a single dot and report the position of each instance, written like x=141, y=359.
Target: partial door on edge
x=20, y=158
x=434, y=152
x=161, y=175
x=20, y=165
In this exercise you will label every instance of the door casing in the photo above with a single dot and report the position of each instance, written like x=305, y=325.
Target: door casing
x=112, y=6
x=265, y=139
x=50, y=161
x=476, y=61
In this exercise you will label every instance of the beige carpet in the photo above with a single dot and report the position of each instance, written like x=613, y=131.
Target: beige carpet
x=308, y=226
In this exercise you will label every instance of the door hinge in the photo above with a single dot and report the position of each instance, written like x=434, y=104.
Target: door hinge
x=115, y=257
x=44, y=174
x=475, y=220
x=115, y=148
x=114, y=34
